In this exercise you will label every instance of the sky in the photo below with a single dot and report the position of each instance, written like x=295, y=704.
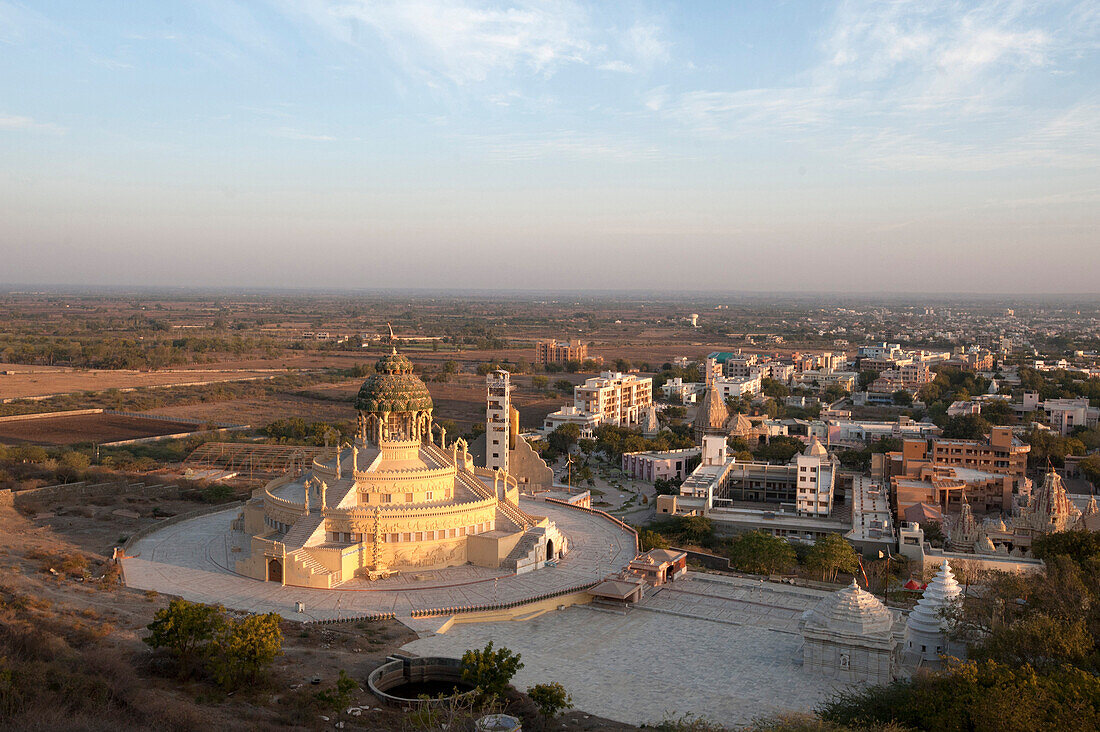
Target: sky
x=920, y=146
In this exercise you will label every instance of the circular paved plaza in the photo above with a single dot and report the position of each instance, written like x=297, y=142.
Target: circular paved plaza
x=193, y=559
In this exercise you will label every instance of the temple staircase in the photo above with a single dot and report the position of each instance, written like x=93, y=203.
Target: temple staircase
x=524, y=556
x=307, y=531
x=317, y=574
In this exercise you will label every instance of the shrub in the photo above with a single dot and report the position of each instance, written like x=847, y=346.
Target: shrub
x=338, y=697
x=244, y=648
x=490, y=670
x=551, y=699
x=217, y=493
x=187, y=630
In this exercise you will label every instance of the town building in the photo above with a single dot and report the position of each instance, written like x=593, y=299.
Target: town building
x=553, y=351
x=571, y=415
x=852, y=433
x=668, y=465
x=1064, y=415
x=678, y=390
x=619, y=399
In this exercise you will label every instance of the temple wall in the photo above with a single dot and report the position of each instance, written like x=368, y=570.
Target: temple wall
x=489, y=551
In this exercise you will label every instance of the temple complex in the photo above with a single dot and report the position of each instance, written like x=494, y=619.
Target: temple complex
x=395, y=499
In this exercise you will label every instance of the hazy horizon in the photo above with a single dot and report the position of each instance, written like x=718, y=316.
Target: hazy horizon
x=935, y=148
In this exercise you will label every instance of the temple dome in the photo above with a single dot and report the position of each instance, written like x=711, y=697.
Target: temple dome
x=852, y=611
x=815, y=449
x=395, y=388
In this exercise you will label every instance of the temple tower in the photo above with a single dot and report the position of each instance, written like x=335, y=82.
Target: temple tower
x=497, y=420
x=925, y=636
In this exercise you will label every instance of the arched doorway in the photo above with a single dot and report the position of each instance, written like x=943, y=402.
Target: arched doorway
x=550, y=549
x=274, y=570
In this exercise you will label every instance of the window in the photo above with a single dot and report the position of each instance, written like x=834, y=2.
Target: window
x=418, y=536
x=428, y=496
x=408, y=498
x=406, y=537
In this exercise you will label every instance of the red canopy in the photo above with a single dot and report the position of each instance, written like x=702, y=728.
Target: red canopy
x=911, y=585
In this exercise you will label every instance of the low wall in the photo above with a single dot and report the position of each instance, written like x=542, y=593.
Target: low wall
x=6, y=498
x=84, y=490
x=176, y=436
x=178, y=518
x=45, y=415
x=595, y=511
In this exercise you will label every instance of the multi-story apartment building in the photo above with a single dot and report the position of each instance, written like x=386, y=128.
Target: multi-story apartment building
x=880, y=350
x=1002, y=453
x=552, y=351
x=620, y=399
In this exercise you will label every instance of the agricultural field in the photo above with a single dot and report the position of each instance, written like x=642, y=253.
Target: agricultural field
x=101, y=427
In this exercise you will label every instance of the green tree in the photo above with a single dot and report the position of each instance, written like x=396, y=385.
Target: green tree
x=832, y=554
x=760, y=552
x=244, y=648
x=650, y=539
x=540, y=382
x=551, y=699
x=979, y=696
x=903, y=398
x=565, y=386
x=564, y=437
x=695, y=529
x=187, y=630
x=1090, y=466
x=966, y=427
x=490, y=670
x=866, y=378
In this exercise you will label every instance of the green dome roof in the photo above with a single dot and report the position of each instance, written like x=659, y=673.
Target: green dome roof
x=394, y=389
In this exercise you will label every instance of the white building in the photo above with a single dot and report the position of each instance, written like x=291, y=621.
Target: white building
x=881, y=350
x=1065, y=414
x=678, y=390
x=734, y=387
x=571, y=415
x=497, y=415
x=619, y=399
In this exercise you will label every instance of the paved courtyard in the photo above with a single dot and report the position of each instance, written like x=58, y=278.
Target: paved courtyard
x=731, y=653
x=194, y=559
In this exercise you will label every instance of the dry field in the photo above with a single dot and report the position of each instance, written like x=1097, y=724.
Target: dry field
x=28, y=383
x=98, y=428
x=461, y=400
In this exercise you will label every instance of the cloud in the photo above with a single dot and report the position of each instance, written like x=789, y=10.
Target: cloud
x=619, y=66
x=568, y=144
x=15, y=123
x=917, y=85
x=462, y=41
x=289, y=133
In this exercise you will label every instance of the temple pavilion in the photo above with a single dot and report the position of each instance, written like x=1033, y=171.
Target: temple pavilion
x=397, y=498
